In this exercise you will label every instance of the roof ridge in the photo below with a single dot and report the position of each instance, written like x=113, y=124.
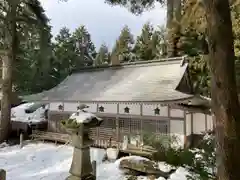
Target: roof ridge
x=183, y=60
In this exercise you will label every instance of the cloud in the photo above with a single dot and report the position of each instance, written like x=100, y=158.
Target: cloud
x=103, y=21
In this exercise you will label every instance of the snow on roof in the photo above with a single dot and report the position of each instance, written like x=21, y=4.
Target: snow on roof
x=18, y=114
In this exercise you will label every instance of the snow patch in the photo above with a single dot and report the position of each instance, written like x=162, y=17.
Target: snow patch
x=18, y=114
x=50, y=162
x=84, y=117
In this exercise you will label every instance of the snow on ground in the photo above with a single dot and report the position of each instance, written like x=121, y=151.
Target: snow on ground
x=43, y=161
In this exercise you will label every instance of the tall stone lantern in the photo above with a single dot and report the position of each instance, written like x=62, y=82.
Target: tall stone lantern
x=78, y=126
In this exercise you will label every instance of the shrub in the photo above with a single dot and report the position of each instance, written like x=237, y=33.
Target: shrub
x=199, y=162
x=70, y=123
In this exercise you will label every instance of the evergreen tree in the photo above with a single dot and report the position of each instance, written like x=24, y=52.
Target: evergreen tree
x=102, y=55
x=33, y=79
x=84, y=48
x=159, y=42
x=123, y=46
x=29, y=12
x=148, y=43
x=64, y=54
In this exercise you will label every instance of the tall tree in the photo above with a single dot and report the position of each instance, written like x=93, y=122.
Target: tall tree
x=12, y=12
x=123, y=46
x=64, y=54
x=144, y=47
x=225, y=103
x=103, y=55
x=159, y=39
x=85, y=49
x=173, y=16
x=151, y=43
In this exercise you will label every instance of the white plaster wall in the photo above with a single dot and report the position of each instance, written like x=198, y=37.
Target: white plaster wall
x=209, y=122
x=133, y=109
x=148, y=110
x=71, y=106
x=92, y=107
x=109, y=108
x=188, y=124
x=53, y=106
x=199, y=123
x=176, y=113
x=177, y=130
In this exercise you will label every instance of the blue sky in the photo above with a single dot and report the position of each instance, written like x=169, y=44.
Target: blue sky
x=103, y=21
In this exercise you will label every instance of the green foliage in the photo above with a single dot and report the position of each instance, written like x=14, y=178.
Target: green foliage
x=123, y=46
x=103, y=55
x=31, y=47
x=64, y=54
x=200, y=163
x=147, y=43
x=70, y=124
x=136, y=7
x=85, y=49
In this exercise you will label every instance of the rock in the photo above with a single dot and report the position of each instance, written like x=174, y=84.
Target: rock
x=143, y=166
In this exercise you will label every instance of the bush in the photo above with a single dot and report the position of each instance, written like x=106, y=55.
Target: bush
x=70, y=124
x=199, y=162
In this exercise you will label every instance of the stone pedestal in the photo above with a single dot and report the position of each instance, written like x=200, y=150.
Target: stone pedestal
x=81, y=168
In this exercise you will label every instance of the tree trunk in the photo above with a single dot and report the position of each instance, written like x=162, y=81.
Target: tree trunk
x=225, y=104
x=7, y=66
x=178, y=10
x=169, y=38
x=174, y=8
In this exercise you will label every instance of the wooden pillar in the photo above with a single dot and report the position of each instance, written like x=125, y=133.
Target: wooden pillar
x=118, y=126
x=49, y=118
x=141, y=122
x=169, y=128
x=97, y=129
x=206, y=127
x=21, y=140
x=184, y=129
x=192, y=123
x=169, y=122
x=94, y=167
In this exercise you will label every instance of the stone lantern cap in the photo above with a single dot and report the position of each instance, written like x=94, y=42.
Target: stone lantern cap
x=82, y=118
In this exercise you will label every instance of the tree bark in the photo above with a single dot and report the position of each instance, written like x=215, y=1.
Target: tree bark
x=225, y=104
x=170, y=9
x=174, y=13
x=178, y=10
x=7, y=66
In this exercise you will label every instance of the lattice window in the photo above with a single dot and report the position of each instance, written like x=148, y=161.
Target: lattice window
x=162, y=126
x=135, y=125
x=149, y=126
x=109, y=123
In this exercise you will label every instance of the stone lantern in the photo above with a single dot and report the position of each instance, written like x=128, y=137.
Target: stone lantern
x=78, y=126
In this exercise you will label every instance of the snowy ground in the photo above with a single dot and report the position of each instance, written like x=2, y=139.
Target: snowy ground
x=50, y=162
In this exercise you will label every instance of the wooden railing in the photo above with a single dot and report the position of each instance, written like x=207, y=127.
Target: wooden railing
x=50, y=136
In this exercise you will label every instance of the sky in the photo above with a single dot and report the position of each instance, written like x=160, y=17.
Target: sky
x=104, y=22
